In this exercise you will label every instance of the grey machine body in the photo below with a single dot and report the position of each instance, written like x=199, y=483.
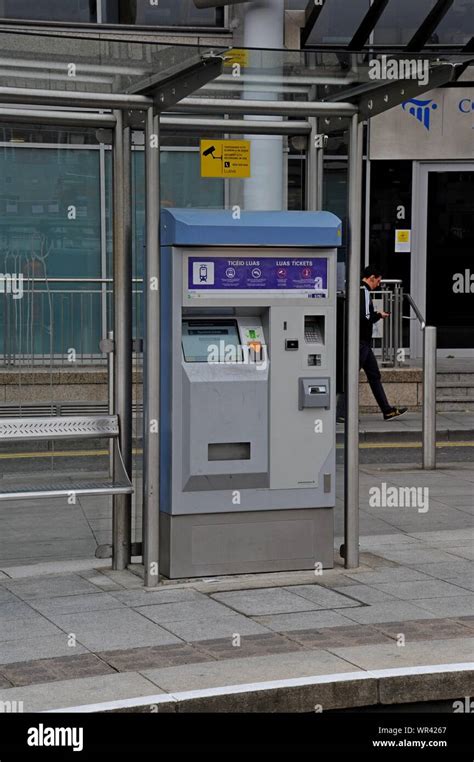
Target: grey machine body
x=248, y=402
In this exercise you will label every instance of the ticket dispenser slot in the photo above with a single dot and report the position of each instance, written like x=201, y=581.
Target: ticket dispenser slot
x=313, y=392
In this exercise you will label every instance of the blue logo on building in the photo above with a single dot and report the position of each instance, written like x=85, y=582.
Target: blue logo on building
x=421, y=110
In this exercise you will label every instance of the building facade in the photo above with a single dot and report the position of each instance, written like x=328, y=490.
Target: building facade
x=418, y=174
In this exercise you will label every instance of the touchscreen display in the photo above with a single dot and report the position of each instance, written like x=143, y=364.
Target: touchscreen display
x=204, y=340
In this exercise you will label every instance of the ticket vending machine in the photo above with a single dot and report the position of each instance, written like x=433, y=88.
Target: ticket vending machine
x=248, y=392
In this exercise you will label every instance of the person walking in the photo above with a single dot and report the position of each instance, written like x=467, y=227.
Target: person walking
x=371, y=280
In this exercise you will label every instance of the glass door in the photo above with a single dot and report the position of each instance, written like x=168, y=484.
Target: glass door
x=443, y=255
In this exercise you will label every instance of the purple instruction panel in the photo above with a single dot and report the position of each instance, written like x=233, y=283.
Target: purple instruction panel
x=295, y=276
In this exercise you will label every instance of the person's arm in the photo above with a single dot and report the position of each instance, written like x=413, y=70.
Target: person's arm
x=363, y=305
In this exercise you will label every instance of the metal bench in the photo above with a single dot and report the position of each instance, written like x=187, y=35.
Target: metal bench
x=67, y=427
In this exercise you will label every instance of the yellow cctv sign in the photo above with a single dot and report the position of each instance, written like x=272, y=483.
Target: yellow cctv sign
x=225, y=158
x=402, y=241
x=237, y=56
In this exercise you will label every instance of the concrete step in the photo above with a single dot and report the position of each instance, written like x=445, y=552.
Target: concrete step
x=449, y=384
x=451, y=392
x=455, y=378
x=457, y=404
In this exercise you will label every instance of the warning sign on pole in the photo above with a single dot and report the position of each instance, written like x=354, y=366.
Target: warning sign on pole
x=225, y=158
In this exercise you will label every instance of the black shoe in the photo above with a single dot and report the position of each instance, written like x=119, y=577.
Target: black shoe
x=341, y=419
x=394, y=413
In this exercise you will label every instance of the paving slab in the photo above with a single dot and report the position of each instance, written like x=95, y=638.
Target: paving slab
x=134, y=659
x=423, y=629
x=460, y=605
x=328, y=637
x=457, y=501
x=400, y=574
x=266, y=601
x=141, y=598
x=466, y=583
x=462, y=551
x=250, y=670
x=191, y=630
x=55, y=567
x=58, y=668
x=326, y=599
x=37, y=551
x=388, y=612
x=74, y=604
x=194, y=610
x=417, y=653
x=447, y=537
x=305, y=620
x=394, y=539
x=366, y=594
x=454, y=568
x=101, y=581
x=32, y=648
x=114, y=628
x=249, y=645
x=49, y=586
x=14, y=608
x=412, y=591
x=34, y=626
x=82, y=691
x=419, y=556
x=124, y=578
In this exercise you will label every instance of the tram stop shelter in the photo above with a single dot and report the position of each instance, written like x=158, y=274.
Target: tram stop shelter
x=118, y=87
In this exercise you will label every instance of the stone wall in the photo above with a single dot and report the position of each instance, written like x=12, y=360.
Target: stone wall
x=89, y=385
x=403, y=387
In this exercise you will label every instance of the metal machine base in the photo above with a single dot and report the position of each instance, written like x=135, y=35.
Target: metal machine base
x=241, y=543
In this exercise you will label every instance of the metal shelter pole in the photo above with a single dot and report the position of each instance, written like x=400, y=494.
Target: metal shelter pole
x=151, y=370
x=312, y=169
x=351, y=433
x=429, y=397
x=319, y=178
x=122, y=248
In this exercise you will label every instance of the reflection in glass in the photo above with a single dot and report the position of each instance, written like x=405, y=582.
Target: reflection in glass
x=163, y=13
x=49, y=10
x=449, y=247
x=338, y=21
x=50, y=228
x=457, y=27
x=400, y=20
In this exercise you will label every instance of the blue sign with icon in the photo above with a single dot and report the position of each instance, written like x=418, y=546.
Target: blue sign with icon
x=303, y=276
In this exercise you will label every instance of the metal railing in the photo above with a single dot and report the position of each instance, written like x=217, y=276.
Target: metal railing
x=392, y=343
x=393, y=298
x=392, y=327
x=59, y=321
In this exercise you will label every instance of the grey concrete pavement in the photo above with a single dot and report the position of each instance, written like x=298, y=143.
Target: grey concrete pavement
x=450, y=426
x=74, y=633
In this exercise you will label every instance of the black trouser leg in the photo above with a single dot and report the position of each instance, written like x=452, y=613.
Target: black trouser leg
x=368, y=362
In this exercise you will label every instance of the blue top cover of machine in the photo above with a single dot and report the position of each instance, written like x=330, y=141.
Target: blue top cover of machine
x=194, y=227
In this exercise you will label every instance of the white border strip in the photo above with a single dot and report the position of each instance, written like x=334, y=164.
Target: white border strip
x=168, y=698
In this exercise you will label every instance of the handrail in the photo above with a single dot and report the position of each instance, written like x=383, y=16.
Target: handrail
x=415, y=309
x=74, y=280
